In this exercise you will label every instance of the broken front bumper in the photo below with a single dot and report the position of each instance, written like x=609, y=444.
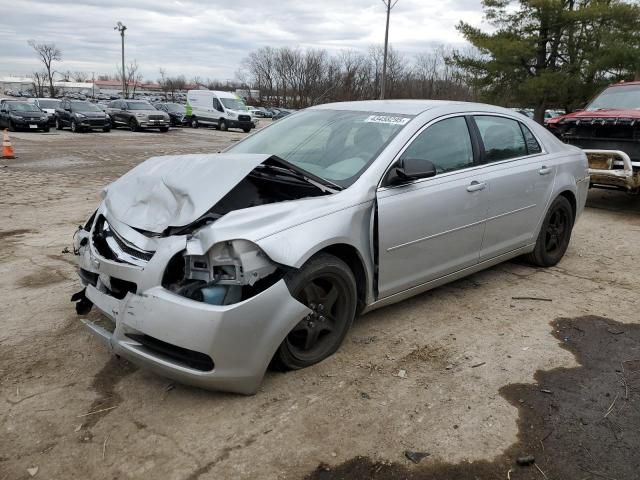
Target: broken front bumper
x=211, y=346
x=613, y=169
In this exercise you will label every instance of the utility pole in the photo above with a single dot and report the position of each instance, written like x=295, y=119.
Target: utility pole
x=93, y=85
x=389, y=4
x=121, y=28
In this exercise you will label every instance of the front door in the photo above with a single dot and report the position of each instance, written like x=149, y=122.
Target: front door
x=432, y=227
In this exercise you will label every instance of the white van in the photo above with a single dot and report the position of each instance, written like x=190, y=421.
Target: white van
x=222, y=109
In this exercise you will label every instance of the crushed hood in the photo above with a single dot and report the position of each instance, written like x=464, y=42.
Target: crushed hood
x=175, y=190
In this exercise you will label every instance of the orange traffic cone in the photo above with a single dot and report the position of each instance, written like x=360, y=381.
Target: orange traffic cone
x=7, y=149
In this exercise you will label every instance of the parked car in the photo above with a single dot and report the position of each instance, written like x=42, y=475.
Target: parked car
x=47, y=105
x=255, y=112
x=16, y=115
x=137, y=115
x=223, y=110
x=210, y=267
x=283, y=112
x=177, y=113
x=609, y=131
x=81, y=116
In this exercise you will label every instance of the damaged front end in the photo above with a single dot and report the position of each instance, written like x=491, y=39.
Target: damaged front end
x=612, y=145
x=187, y=299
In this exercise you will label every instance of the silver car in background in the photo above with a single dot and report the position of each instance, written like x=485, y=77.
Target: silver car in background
x=209, y=268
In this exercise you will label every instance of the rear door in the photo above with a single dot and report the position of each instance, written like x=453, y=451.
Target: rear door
x=519, y=183
x=431, y=227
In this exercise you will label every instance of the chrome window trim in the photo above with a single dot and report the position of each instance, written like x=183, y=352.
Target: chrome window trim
x=397, y=156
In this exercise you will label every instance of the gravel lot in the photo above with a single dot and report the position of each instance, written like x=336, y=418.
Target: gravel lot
x=463, y=347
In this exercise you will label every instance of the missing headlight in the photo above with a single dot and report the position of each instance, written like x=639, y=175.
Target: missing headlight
x=228, y=273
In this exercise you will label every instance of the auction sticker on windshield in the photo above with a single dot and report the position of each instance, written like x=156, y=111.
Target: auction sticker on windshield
x=387, y=119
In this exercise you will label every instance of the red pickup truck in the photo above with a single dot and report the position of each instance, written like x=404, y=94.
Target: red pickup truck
x=608, y=129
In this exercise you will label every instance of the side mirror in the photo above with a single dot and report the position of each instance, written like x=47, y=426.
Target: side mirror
x=414, y=169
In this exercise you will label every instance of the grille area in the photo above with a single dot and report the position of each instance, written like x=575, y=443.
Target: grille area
x=111, y=246
x=244, y=118
x=156, y=117
x=189, y=358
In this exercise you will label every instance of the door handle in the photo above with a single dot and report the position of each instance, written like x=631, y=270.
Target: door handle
x=476, y=186
x=544, y=170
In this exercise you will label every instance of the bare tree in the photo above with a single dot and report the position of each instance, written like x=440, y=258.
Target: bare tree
x=39, y=82
x=80, y=76
x=131, y=80
x=48, y=53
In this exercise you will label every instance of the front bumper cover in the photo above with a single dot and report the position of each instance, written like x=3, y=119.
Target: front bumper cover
x=240, y=339
x=613, y=168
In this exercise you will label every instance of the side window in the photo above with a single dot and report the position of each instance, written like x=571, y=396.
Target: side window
x=217, y=105
x=532, y=144
x=502, y=138
x=446, y=144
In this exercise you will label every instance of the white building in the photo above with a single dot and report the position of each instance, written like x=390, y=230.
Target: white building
x=17, y=84
x=85, y=88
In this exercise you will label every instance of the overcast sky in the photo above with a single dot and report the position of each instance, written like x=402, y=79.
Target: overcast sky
x=209, y=38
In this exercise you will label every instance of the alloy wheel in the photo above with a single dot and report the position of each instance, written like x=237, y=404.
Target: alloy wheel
x=326, y=296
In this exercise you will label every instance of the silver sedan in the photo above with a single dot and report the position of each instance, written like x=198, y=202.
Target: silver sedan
x=209, y=268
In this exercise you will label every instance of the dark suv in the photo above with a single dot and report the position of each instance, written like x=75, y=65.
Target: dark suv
x=80, y=115
x=15, y=115
x=137, y=114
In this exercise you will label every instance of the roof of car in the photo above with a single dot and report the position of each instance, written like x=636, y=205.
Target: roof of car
x=406, y=107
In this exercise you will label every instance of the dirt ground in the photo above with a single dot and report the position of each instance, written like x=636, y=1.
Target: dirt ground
x=488, y=378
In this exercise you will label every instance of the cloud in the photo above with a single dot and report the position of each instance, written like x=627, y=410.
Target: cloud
x=210, y=38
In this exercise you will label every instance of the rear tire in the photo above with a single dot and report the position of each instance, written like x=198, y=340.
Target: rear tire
x=554, y=235
x=327, y=286
x=194, y=123
x=58, y=124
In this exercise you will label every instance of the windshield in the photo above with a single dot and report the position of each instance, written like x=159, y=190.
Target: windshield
x=233, y=104
x=175, y=107
x=139, y=106
x=84, y=107
x=49, y=103
x=619, y=97
x=23, y=107
x=331, y=144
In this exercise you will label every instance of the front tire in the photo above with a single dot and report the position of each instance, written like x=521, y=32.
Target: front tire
x=555, y=234
x=164, y=129
x=223, y=125
x=106, y=129
x=12, y=126
x=327, y=286
x=46, y=129
x=74, y=126
x=246, y=129
x=133, y=125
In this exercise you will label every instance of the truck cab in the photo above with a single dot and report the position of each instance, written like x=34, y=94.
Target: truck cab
x=222, y=110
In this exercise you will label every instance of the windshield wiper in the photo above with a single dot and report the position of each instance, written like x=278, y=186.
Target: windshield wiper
x=297, y=172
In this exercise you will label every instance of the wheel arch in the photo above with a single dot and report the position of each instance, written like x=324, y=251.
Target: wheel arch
x=351, y=256
x=571, y=196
